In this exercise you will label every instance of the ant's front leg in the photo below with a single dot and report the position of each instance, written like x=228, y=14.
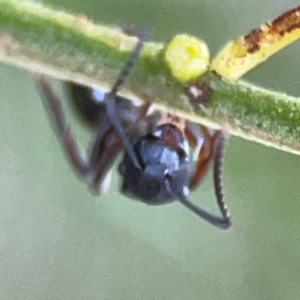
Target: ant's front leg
x=204, y=141
x=108, y=143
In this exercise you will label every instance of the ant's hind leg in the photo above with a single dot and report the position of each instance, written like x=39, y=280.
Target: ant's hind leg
x=80, y=164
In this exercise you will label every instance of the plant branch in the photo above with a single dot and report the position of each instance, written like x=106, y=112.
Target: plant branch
x=72, y=48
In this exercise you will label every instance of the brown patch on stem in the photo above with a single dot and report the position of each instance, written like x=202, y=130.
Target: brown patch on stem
x=273, y=31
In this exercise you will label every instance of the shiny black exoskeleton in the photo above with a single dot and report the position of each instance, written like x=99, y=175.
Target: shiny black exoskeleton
x=165, y=166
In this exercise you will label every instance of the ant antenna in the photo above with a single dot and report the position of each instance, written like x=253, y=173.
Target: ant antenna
x=217, y=176
x=223, y=222
x=129, y=64
x=110, y=97
x=210, y=218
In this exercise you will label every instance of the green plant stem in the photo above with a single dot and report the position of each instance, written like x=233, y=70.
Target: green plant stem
x=72, y=48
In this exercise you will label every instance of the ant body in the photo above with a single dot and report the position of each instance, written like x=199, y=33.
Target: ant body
x=156, y=167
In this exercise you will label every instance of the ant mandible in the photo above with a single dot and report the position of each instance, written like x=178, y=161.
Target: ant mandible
x=156, y=167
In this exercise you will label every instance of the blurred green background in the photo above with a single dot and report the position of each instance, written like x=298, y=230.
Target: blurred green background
x=57, y=241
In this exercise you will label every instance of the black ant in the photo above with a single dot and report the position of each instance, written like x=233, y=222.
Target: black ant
x=156, y=168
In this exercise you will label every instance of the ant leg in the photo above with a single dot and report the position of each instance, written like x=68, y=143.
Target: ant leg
x=107, y=155
x=205, y=140
x=108, y=144
x=103, y=130
x=72, y=151
x=105, y=149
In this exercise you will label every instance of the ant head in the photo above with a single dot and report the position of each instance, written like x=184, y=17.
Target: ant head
x=165, y=167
